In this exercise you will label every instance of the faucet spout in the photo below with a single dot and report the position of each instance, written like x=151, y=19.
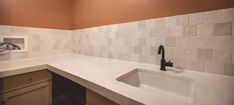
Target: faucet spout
x=161, y=50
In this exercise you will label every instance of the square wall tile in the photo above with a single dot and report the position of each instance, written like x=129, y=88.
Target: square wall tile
x=17, y=29
x=194, y=65
x=205, y=54
x=141, y=24
x=138, y=50
x=223, y=55
x=213, y=42
x=228, y=15
x=229, y=69
x=182, y=42
x=182, y=20
x=196, y=18
x=196, y=42
x=190, y=30
x=213, y=16
x=141, y=41
x=190, y=54
x=170, y=42
x=177, y=31
x=4, y=29
x=214, y=67
x=228, y=42
x=170, y=21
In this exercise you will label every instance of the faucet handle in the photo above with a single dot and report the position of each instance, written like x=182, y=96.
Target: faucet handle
x=170, y=64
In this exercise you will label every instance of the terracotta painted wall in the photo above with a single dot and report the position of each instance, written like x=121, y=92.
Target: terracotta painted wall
x=90, y=13
x=37, y=13
x=77, y=14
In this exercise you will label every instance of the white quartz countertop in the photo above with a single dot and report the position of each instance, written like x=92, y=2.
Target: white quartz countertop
x=99, y=75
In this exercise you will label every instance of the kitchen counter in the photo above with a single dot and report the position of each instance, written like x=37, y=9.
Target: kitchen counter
x=99, y=75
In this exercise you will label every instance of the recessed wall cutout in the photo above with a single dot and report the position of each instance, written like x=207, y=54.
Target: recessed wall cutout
x=21, y=41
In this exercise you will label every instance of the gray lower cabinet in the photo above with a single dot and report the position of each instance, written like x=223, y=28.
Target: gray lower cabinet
x=27, y=89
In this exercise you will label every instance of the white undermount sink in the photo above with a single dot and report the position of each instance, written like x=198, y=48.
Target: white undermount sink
x=158, y=81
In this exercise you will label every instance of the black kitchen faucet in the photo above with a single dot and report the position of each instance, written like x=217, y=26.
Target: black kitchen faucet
x=163, y=64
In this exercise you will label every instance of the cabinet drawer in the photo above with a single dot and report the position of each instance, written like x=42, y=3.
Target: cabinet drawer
x=23, y=80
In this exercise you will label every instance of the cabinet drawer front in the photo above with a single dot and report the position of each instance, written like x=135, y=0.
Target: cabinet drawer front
x=38, y=94
x=22, y=80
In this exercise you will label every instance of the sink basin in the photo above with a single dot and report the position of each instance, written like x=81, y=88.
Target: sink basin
x=158, y=81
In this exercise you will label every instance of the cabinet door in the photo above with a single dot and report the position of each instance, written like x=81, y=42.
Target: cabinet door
x=93, y=98
x=38, y=94
x=67, y=92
